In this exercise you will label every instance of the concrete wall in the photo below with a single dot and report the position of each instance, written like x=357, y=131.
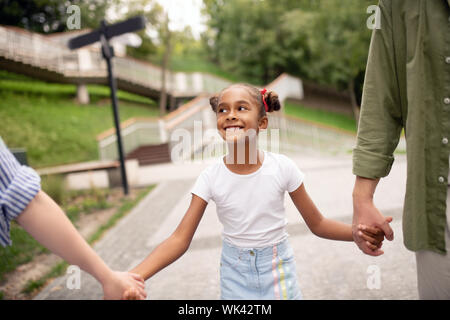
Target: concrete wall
x=104, y=178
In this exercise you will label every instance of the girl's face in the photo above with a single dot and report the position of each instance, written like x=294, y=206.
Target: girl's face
x=237, y=113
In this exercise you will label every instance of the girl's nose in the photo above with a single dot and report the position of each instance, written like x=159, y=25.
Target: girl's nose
x=231, y=116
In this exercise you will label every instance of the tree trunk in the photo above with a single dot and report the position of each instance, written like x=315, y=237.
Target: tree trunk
x=355, y=107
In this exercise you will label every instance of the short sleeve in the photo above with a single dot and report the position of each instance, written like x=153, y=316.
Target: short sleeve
x=293, y=177
x=202, y=186
x=18, y=186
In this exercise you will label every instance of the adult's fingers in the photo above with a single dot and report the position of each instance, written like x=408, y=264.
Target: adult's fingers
x=143, y=293
x=370, y=230
x=365, y=249
x=373, y=253
x=371, y=246
x=140, y=284
x=368, y=238
x=134, y=294
x=137, y=277
x=388, y=232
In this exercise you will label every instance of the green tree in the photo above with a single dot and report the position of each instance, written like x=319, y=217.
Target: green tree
x=325, y=41
x=242, y=37
x=335, y=41
x=151, y=36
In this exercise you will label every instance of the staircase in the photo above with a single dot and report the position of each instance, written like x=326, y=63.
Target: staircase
x=47, y=58
x=151, y=154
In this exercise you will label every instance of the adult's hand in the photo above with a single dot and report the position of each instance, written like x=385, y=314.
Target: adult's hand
x=365, y=212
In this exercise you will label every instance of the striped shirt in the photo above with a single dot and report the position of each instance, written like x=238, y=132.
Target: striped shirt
x=18, y=186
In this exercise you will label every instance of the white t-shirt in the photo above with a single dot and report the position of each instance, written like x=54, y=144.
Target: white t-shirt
x=251, y=206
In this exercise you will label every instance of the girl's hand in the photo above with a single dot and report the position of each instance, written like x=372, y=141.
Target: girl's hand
x=373, y=236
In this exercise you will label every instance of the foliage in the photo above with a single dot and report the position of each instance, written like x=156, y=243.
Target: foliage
x=150, y=36
x=325, y=41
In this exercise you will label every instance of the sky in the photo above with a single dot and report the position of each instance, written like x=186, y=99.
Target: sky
x=185, y=13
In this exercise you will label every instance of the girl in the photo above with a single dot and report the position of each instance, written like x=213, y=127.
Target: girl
x=248, y=187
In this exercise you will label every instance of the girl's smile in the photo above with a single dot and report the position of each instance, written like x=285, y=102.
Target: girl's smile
x=237, y=113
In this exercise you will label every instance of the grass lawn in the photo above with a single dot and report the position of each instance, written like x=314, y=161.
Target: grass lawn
x=45, y=119
x=329, y=118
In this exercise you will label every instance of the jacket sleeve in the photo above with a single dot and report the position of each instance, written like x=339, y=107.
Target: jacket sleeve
x=380, y=120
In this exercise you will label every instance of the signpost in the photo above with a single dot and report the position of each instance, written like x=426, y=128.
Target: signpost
x=103, y=34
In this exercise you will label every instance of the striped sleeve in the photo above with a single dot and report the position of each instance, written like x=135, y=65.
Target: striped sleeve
x=18, y=186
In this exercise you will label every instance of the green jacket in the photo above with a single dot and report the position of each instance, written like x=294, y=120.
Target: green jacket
x=407, y=85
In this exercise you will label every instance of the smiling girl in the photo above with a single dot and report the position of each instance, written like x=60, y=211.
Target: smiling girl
x=248, y=186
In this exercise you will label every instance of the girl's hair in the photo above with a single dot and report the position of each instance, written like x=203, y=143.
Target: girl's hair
x=271, y=98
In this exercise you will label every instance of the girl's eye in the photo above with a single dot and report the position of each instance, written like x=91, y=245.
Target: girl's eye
x=242, y=107
x=221, y=110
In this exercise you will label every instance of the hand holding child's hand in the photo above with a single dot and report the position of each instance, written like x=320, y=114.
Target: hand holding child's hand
x=120, y=282
x=131, y=294
x=372, y=235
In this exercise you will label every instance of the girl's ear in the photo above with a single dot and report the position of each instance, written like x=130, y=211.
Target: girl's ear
x=263, y=122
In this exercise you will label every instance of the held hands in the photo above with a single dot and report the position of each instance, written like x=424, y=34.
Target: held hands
x=365, y=213
x=373, y=236
x=119, y=283
x=131, y=294
x=370, y=238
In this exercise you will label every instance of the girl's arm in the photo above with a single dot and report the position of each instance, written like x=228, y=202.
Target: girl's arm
x=177, y=244
x=318, y=224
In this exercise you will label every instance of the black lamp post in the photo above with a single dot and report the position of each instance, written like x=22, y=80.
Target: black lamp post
x=103, y=34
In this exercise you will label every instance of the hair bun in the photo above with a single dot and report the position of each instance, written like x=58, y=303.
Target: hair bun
x=273, y=103
x=214, y=101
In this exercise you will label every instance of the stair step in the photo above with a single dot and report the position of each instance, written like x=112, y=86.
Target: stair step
x=146, y=154
x=151, y=154
x=149, y=161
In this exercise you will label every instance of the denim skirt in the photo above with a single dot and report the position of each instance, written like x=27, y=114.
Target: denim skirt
x=259, y=274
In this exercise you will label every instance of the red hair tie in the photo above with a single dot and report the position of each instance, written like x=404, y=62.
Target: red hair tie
x=263, y=91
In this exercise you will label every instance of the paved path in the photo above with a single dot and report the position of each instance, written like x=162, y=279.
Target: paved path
x=326, y=269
